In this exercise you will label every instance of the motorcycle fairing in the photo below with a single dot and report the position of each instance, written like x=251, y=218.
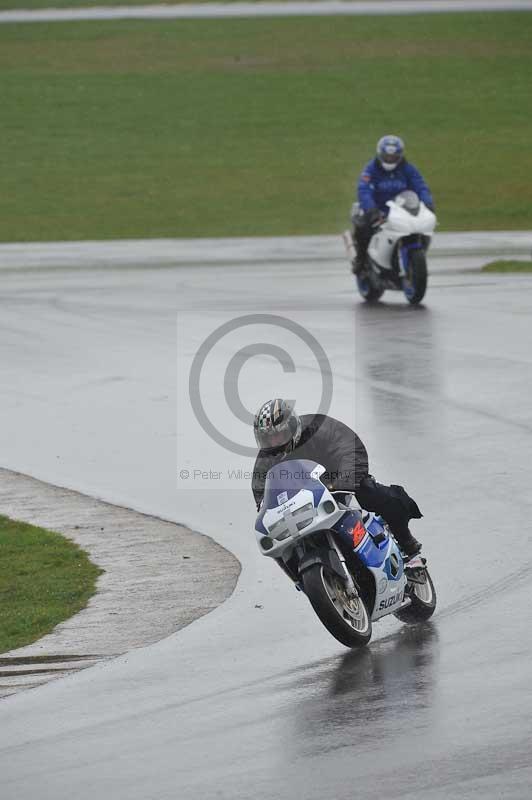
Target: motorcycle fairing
x=381, y=556
x=400, y=226
x=284, y=481
x=294, y=507
x=346, y=526
x=296, y=503
x=390, y=580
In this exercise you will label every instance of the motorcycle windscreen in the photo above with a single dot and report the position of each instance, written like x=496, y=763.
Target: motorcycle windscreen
x=286, y=479
x=409, y=201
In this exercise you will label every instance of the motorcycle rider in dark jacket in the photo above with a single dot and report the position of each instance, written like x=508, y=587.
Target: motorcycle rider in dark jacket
x=382, y=179
x=282, y=434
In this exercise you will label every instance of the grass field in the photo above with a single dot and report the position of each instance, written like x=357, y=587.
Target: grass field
x=25, y=4
x=44, y=579
x=508, y=266
x=258, y=126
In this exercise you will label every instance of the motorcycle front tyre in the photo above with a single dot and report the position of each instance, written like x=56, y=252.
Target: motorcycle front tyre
x=347, y=619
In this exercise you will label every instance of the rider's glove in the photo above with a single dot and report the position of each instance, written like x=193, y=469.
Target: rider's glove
x=375, y=217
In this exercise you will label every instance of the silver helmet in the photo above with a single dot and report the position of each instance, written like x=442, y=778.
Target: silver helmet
x=277, y=426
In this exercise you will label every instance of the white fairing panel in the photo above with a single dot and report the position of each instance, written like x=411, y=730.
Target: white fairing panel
x=381, y=247
x=399, y=223
x=389, y=594
x=296, y=518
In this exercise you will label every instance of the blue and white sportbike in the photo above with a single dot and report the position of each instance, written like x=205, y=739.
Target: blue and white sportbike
x=343, y=558
x=397, y=252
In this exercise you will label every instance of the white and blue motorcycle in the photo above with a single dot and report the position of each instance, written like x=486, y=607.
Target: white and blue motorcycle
x=397, y=252
x=343, y=558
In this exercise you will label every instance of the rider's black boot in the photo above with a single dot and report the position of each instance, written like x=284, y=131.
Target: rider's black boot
x=361, y=239
x=359, y=262
x=408, y=544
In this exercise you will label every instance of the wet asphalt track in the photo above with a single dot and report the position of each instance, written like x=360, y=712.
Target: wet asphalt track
x=262, y=9
x=260, y=701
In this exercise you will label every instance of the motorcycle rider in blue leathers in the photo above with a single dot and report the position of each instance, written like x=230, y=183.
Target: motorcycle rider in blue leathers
x=386, y=175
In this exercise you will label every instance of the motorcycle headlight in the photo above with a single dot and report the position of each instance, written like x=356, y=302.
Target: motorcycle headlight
x=308, y=512
x=305, y=508
x=279, y=530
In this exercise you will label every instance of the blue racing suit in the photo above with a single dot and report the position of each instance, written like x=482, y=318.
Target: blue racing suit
x=376, y=186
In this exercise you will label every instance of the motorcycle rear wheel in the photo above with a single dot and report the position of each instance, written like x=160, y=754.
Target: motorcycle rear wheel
x=346, y=618
x=423, y=602
x=415, y=284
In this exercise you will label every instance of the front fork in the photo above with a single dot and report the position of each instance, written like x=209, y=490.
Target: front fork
x=352, y=590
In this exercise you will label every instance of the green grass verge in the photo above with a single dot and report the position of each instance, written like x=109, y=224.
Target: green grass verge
x=258, y=126
x=26, y=4
x=508, y=266
x=44, y=579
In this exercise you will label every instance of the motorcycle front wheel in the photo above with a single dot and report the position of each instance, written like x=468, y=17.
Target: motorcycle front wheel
x=415, y=282
x=345, y=617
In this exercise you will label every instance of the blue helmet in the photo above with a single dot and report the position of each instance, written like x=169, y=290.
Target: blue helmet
x=390, y=151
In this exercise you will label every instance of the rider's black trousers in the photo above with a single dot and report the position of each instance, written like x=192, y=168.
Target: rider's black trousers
x=363, y=230
x=392, y=503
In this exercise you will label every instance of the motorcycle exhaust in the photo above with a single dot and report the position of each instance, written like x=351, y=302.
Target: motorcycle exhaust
x=349, y=245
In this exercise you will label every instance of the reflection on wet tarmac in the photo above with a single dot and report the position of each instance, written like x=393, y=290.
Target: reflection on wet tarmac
x=262, y=703
x=373, y=691
x=400, y=663
x=398, y=357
